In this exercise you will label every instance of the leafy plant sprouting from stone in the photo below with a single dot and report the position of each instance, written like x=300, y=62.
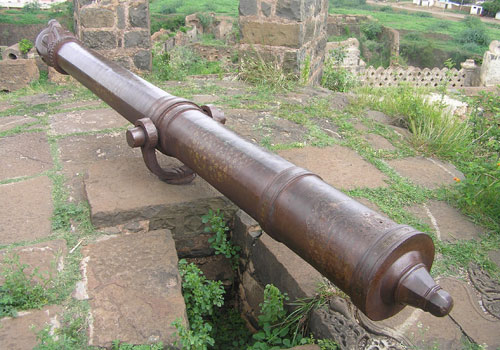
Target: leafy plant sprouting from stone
x=25, y=45
x=335, y=77
x=201, y=297
x=277, y=330
x=21, y=290
x=219, y=241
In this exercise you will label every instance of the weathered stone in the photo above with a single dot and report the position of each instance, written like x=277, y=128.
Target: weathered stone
x=253, y=295
x=19, y=333
x=142, y=60
x=137, y=39
x=120, y=13
x=47, y=258
x=265, y=8
x=419, y=329
x=309, y=31
x=269, y=33
x=5, y=106
x=133, y=193
x=306, y=347
x=449, y=224
x=134, y=288
x=204, y=99
x=290, y=9
x=123, y=61
x=488, y=287
x=25, y=216
x=426, y=172
x=83, y=3
x=58, y=78
x=193, y=245
x=339, y=166
x=99, y=40
x=24, y=155
x=248, y=8
x=216, y=268
x=490, y=69
x=94, y=17
x=138, y=15
x=16, y=74
x=379, y=142
x=378, y=117
x=7, y=123
x=474, y=322
x=85, y=121
x=290, y=273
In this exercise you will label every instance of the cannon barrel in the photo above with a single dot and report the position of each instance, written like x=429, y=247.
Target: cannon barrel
x=380, y=264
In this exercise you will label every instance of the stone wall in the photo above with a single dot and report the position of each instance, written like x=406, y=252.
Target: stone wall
x=11, y=34
x=290, y=32
x=117, y=29
x=490, y=69
x=339, y=25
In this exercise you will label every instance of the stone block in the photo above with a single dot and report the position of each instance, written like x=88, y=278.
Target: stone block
x=26, y=215
x=12, y=53
x=16, y=74
x=138, y=15
x=490, y=69
x=266, y=8
x=58, y=78
x=339, y=166
x=11, y=122
x=270, y=33
x=449, y=224
x=24, y=155
x=120, y=13
x=310, y=28
x=19, y=333
x=379, y=142
x=133, y=193
x=85, y=121
x=426, y=172
x=290, y=9
x=99, y=40
x=94, y=17
x=47, y=258
x=248, y=8
x=137, y=39
x=142, y=60
x=134, y=288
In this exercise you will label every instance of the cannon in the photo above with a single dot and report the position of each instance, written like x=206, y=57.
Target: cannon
x=381, y=265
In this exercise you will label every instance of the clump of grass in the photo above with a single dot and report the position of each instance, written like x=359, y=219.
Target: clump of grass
x=21, y=290
x=269, y=74
x=434, y=131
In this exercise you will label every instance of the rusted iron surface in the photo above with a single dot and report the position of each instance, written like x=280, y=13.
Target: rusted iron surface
x=381, y=265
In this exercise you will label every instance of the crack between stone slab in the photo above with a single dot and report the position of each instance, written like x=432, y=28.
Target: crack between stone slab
x=441, y=166
x=433, y=221
x=33, y=159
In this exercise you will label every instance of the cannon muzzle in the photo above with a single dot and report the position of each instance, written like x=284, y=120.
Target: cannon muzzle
x=381, y=265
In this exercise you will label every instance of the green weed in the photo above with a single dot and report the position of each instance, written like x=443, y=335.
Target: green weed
x=21, y=290
x=117, y=345
x=335, y=77
x=219, y=241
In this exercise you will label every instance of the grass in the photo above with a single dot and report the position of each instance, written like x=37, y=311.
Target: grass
x=187, y=7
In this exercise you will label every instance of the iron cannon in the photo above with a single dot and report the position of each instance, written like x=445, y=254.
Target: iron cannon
x=380, y=264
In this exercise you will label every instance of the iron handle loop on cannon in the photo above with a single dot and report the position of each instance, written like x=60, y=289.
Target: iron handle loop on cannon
x=381, y=265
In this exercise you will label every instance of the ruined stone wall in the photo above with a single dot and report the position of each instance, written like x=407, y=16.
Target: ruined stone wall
x=339, y=25
x=117, y=29
x=393, y=76
x=490, y=69
x=290, y=32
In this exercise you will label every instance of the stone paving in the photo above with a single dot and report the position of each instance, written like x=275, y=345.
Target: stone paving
x=129, y=268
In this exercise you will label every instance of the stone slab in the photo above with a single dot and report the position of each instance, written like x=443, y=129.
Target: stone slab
x=379, y=142
x=378, y=117
x=449, y=224
x=46, y=257
x=26, y=210
x=339, y=166
x=426, y=172
x=479, y=326
x=16, y=74
x=122, y=190
x=494, y=255
x=24, y=155
x=5, y=106
x=19, y=333
x=85, y=121
x=10, y=122
x=134, y=288
x=204, y=99
x=419, y=329
x=81, y=104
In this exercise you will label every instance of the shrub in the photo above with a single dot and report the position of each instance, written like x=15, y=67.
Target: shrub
x=170, y=7
x=386, y=9
x=476, y=35
x=491, y=7
x=337, y=78
x=33, y=6
x=25, y=46
x=206, y=20
x=371, y=29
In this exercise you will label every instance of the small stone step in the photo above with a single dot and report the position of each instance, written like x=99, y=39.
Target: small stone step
x=134, y=288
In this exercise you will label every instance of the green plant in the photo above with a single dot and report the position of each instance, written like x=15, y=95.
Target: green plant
x=219, y=241
x=21, y=290
x=32, y=6
x=117, y=345
x=25, y=45
x=201, y=297
x=327, y=344
x=267, y=74
x=335, y=77
x=305, y=70
x=371, y=29
x=205, y=19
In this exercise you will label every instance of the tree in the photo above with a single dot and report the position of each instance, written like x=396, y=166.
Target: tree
x=491, y=7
